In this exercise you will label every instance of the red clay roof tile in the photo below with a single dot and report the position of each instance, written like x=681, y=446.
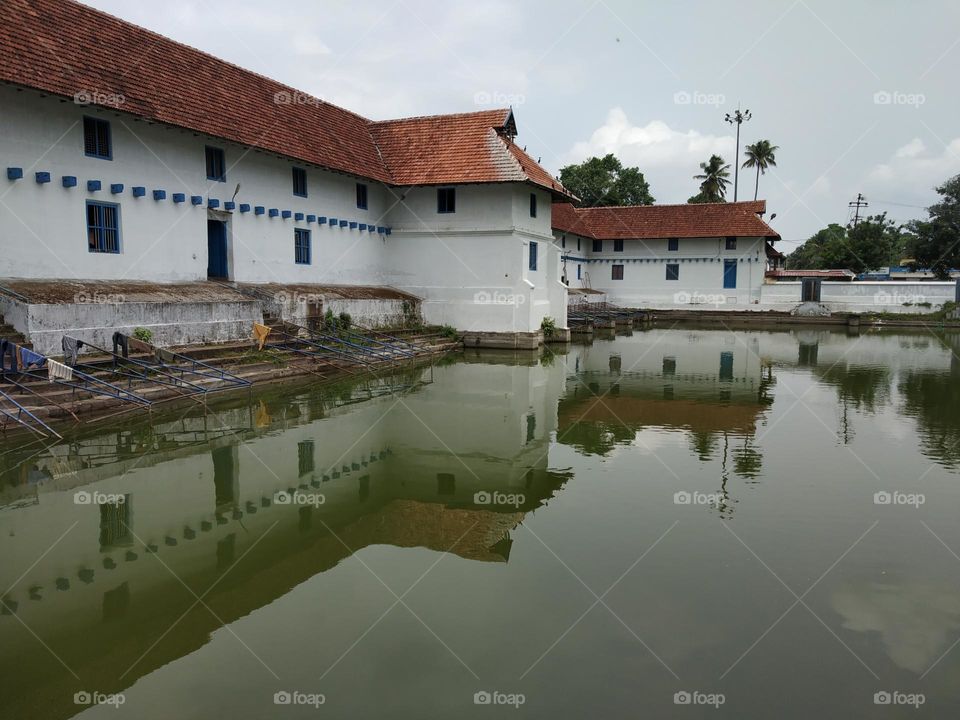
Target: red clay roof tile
x=664, y=221
x=65, y=48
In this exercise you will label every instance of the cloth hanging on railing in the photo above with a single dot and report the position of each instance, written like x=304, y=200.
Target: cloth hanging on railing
x=122, y=342
x=8, y=356
x=71, y=348
x=260, y=333
x=58, y=371
x=28, y=357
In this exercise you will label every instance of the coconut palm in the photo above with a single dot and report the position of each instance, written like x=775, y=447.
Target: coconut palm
x=760, y=155
x=713, y=185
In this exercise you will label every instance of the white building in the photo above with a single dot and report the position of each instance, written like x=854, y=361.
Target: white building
x=712, y=255
x=128, y=156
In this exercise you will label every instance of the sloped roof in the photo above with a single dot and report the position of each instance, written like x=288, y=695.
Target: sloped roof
x=66, y=49
x=664, y=221
x=460, y=148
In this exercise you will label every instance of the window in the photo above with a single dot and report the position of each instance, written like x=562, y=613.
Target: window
x=305, y=457
x=446, y=200
x=616, y=272
x=301, y=246
x=618, y=245
x=598, y=245
x=669, y=366
x=361, y=196
x=563, y=241
x=216, y=164
x=578, y=272
x=673, y=244
x=533, y=205
x=578, y=244
x=533, y=256
x=96, y=138
x=673, y=271
x=103, y=227
x=731, y=243
x=299, y=182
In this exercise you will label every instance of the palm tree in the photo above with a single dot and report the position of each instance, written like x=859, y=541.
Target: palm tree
x=713, y=187
x=761, y=156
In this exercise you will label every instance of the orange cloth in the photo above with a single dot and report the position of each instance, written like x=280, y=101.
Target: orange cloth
x=260, y=333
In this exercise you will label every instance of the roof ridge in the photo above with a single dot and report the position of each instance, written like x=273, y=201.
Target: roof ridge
x=670, y=205
x=412, y=118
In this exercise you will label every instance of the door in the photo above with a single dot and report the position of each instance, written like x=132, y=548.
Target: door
x=729, y=274
x=216, y=249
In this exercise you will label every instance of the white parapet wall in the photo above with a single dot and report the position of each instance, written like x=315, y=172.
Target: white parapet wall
x=863, y=297
x=171, y=324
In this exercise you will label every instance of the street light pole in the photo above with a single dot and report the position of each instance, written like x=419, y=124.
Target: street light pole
x=739, y=118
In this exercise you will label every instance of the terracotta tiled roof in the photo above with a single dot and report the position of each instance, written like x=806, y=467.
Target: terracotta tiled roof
x=462, y=148
x=65, y=48
x=664, y=221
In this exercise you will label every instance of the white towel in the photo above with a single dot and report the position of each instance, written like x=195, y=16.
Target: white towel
x=58, y=371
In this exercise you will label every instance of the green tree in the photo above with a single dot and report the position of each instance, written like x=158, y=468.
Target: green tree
x=605, y=181
x=761, y=155
x=809, y=255
x=874, y=242
x=714, y=181
x=935, y=243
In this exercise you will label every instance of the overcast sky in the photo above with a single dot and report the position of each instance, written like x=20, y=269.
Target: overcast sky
x=860, y=95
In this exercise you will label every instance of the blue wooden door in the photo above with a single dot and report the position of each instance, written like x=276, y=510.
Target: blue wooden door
x=216, y=249
x=729, y=274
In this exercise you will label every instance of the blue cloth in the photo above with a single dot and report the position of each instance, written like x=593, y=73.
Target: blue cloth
x=28, y=357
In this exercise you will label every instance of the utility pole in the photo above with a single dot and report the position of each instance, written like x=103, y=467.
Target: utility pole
x=739, y=118
x=857, y=204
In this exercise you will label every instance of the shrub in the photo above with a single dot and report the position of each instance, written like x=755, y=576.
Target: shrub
x=345, y=321
x=449, y=331
x=143, y=334
x=549, y=327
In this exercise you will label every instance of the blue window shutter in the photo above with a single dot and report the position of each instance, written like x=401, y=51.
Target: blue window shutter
x=139, y=191
x=69, y=181
x=14, y=173
x=259, y=210
x=196, y=200
x=93, y=185
x=274, y=212
x=213, y=203
x=43, y=177
x=244, y=207
x=311, y=218
x=159, y=194
x=116, y=188
x=229, y=205
x=286, y=214
x=179, y=197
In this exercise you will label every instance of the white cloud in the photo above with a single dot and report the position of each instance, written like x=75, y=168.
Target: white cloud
x=309, y=44
x=913, y=167
x=667, y=157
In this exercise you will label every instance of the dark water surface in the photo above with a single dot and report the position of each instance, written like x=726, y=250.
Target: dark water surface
x=764, y=521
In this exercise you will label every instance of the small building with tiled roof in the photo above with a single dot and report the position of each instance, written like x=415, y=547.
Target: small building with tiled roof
x=129, y=156
x=713, y=255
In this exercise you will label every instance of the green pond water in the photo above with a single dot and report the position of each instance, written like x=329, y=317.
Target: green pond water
x=670, y=523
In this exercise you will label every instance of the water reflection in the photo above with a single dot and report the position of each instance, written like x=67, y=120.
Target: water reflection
x=452, y=459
